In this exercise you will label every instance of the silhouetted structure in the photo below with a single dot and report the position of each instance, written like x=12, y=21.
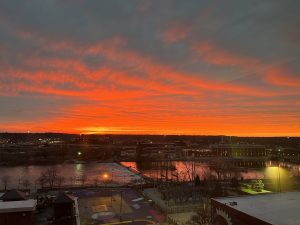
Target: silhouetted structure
x=13, y=195
x=15, y=209
x=64, y=210
x=242, y=155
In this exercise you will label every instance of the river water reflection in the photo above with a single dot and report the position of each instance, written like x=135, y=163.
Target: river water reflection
x=180, y=170
x=122, y=175
x=72, y=173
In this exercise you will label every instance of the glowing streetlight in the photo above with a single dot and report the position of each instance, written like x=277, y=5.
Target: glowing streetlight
x=79, y=153
x=105, y=176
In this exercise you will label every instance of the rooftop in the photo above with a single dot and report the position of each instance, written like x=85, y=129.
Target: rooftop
x=13, y=195
x=17, y=206
x=63, y=198
x=279, y=208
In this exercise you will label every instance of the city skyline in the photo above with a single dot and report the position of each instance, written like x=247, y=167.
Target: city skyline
x=150, y=67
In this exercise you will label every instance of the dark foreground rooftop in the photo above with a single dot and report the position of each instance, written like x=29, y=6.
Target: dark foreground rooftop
x=279, y=208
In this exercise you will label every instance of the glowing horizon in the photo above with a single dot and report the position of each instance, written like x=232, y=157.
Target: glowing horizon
x=150, y=67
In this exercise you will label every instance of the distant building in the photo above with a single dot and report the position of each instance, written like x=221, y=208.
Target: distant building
x=277, y=209
x=128, y=152
x=243, y=155
x=15, y=209
x=239, y=150
x=289, y=154
x=191, y=153
x=65, y=210
x=154, y=151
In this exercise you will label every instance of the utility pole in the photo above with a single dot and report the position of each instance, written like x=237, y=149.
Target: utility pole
x=121, y=204
x=193, y=168
x=111, y=198
x=279, y=182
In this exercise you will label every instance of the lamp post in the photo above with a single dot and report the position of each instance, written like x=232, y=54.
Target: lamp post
x=121, y=205
x=105, y=178
x=112, y=176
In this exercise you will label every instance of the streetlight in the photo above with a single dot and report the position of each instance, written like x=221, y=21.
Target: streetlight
x=112, y=176
x=121, y=204
x=79, y=153
x=105, y=176
x=105, y=180
x=279, y=184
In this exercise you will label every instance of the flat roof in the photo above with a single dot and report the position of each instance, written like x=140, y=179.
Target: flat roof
x=279, y=208
x=17, y=206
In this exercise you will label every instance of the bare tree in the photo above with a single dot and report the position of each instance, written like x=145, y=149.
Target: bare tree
x=222, y=168
x=51, y=175
x=208, y=182
x=72, y=180
x=26, y=183
x=5, y=180
x=96, y=181
x=19, y=182
x=42, y=180
x=60, y=180
x=83, y=179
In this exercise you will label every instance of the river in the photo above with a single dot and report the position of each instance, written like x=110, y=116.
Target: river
x=72, y=173
x=120, y=174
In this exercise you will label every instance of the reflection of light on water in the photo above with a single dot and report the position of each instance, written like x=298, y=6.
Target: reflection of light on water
x=129, y=164
x=78, y=169
x=184, y=171
x=124, y=175
x=281, y=178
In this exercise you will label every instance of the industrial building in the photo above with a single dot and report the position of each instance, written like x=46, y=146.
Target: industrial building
x=275, y=209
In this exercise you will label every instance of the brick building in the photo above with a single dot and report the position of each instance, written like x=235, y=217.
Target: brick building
x=15, y=209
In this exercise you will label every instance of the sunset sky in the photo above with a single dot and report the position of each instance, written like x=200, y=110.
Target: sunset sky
x=153, y=67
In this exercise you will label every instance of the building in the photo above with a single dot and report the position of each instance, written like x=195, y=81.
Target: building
x=276, y=209
x=65, y=210
x=15, y=209
x=239, y=150
x=157, y=151
x=192, y=153
x=242, y=155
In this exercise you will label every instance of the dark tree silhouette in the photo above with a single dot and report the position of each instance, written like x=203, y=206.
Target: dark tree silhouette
x=197, y=181
x=5, y=180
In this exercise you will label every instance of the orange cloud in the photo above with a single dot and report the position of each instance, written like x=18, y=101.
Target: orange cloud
x=147, y=96
x=274, y=74
x=62, y=71
x=157, y=71
x=282, y=76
